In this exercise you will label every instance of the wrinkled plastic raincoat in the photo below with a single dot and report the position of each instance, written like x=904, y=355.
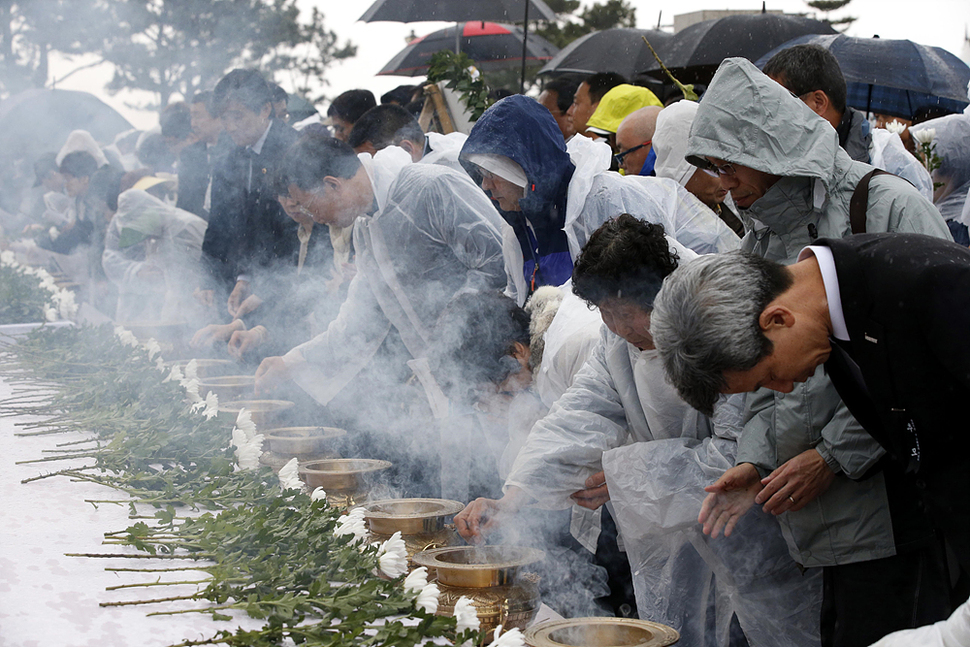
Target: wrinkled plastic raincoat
x=524, y=131
x=657, y=489
x=434, y=234
x=888, y=153
x=953, y=148
x=952, y=632
x=146, y=232
x=746, y=118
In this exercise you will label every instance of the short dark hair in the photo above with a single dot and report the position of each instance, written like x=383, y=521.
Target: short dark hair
x=474, y=339
x=205, y=98
x=601, y=83
x=806, y=68
x=278, y=93
x=385, y=125
x=626, y=258
x=247, y=87
x=565, y=89
x=313, y=157
x=350, y=105
x=176, y=120
x=401, y=95
x=79, y=164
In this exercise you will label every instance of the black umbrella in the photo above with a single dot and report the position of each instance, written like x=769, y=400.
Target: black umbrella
x=491, y=45
x=37, y=121
x=694, y=53
x=457, y=10
x=893, y=77
x=618, y=50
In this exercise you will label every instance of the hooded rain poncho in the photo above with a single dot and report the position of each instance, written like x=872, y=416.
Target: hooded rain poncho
x=952, y=146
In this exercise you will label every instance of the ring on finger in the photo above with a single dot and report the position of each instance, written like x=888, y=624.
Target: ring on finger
x=792, y=500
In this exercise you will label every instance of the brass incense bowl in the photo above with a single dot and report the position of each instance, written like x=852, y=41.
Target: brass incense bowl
x=205, y=368
x=345, y=480
x=490, y=576
x=265, y=413
x=303, y=441
x=421, y=522
x=228, y=387
x=601, y=632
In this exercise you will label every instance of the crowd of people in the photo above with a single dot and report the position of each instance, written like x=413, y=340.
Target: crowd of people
x=595, y=318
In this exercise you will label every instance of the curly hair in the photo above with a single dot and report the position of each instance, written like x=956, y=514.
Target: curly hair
x=626, y=258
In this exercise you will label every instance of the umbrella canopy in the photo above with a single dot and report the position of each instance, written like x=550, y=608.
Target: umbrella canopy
x=694, y=53
x=456, y=10
x=491, y=45
x=611, y=50
x=893, y=77
x=37, y=121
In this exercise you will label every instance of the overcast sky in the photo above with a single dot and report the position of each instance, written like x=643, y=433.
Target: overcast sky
x=942, y=23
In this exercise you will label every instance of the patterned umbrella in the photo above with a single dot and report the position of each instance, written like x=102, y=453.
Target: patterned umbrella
x=893, y=77
x=491, y=45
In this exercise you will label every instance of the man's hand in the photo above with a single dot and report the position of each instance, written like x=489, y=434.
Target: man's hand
x=237, y=296
x=793, y=485
x=251, y=303
x=244, y=341
x=596, y=493
x=271, y=374
x=730, y=497
x=214, y=333
x=204, y=297
x=483, y=516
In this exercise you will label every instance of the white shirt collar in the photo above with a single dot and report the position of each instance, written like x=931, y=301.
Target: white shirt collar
x=826, y=263
x=258, y=146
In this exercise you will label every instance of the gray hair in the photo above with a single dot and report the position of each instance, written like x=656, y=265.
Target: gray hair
x=706, y=321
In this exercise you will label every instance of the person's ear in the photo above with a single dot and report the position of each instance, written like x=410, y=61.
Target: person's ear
x=332, y=183
x=520, y=351
x=776, y=316
x=819, y=102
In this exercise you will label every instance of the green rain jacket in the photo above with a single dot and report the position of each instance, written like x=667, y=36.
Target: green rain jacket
x=747, y=119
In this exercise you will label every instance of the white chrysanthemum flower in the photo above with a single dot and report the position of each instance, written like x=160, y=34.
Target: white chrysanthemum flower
x=160, y=365
x=510, y=638
x=191, y=387
x=244, y=420
x=50, y=314
x=428, y=599
x=352, y=523
x=126, y=337
x=8, y=258
x=66, y=303
x=392, y=556
x=318, y=494
x=466, y=615
x=290, y=476
x=416, y=579
x=152, y=347
x=924, y=136
x=209, y=406
x=248, y=450
x=192, y=370
x=896, y=127
x=53, y=233
x=175, y=375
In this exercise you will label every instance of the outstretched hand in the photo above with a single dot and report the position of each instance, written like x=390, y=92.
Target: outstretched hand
x=594, y=495
x=729, y=498
x=796, y=483
x=483, y=516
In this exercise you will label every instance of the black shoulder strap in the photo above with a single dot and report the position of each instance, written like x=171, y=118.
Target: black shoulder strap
x=859, y=203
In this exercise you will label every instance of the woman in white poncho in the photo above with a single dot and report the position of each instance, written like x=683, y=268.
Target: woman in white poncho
x=151, y=254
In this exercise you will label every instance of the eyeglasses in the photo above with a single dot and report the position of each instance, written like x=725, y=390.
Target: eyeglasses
x=305, y=209
x=717, y=171
x=619, y=157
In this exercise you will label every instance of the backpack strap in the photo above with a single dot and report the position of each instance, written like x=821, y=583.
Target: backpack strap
x=859, y=203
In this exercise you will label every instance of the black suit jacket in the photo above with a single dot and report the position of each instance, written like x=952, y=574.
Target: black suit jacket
x=248, y=232
x=906, y=301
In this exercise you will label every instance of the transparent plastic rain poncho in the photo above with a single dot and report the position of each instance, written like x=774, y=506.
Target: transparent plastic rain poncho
x=81, y=140
x=952, y=146
x=434, y=234
x=146, y=232
x=888, y=153
x=656, y=489
x=952, y=632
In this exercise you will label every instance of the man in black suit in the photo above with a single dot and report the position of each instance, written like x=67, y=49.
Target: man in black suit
x=248, y=234
x=887, y=314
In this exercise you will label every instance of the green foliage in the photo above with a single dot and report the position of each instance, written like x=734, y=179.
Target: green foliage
x=827, y=7
x=597, y=17
x=454, y=70
x=274, y=557
x=22, y=299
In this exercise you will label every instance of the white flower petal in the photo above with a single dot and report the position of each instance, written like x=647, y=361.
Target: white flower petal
x=244, y=420
x=428, y=598
x=392, y=556
x=510, y=638
x=318, y=494
x=466, y=615
x=175, y=375
x=416, y=579
x=192, y=370
x=290, y=476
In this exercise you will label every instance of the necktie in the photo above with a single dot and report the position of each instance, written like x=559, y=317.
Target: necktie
x=303, y=234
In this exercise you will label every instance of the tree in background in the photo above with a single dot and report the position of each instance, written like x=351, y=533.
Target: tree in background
x=30, y=30
x=183, y=46
x=599, y=16
x=827, y=7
